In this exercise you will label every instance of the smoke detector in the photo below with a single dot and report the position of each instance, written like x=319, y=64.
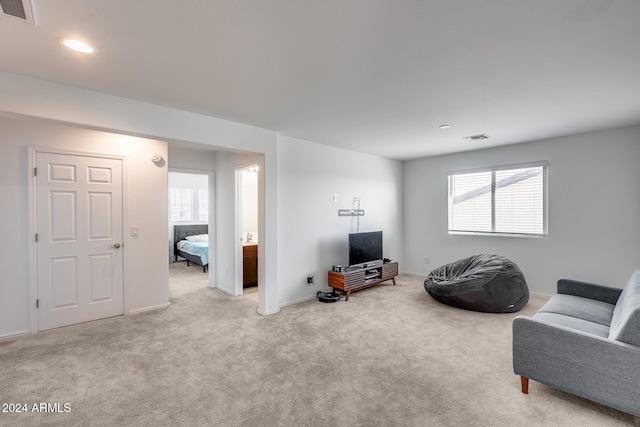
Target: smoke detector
x=21, y=9
x=478, y=137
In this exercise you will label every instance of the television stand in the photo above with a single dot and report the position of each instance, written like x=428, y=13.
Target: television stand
x=355, y=279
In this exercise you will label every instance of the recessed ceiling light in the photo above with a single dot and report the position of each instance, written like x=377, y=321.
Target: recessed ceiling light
x=78, y=45
x=445, y=126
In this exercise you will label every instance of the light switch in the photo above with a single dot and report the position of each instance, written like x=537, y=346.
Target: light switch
x=135, y=231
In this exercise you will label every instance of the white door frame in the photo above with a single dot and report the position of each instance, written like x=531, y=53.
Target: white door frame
x=31, y=208
x=239, y=289
x=212, y=236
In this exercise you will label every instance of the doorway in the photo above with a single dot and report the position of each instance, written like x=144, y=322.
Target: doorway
x=189, y=231
x=247, y=227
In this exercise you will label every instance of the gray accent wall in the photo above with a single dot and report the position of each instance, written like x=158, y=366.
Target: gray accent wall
x=594, y=210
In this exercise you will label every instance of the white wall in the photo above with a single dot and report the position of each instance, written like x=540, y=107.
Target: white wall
x=191, y=159
x=227, y=236
x=146, y=280
x=594, y=210
x=31, y=97
x=250, y=205
x=311, y=236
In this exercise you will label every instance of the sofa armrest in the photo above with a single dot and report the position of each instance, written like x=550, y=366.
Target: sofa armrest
x=589, y=290
x=596, y=368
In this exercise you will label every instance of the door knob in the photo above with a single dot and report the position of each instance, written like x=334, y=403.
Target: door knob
x=117, y=245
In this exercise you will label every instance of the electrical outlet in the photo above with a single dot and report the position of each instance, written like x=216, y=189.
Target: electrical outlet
x=310, y=280
x=427, y=260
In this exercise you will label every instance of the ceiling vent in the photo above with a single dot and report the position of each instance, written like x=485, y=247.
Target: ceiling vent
x=21, y=9
x=478, y=137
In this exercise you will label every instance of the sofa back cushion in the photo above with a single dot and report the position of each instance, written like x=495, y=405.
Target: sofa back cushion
x=625, y=324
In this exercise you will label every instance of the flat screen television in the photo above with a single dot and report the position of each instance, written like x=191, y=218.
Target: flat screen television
x=365, y=249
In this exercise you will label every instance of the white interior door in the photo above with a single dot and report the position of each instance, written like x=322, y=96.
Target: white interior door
x=79, y=247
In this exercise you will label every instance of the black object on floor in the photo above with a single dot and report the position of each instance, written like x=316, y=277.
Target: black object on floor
x=488, y=283
x=328, y=296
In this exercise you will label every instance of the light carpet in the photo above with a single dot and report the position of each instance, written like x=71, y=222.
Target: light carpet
x=391, y=356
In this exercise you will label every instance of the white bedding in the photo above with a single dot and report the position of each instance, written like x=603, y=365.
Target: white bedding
x=200, y=249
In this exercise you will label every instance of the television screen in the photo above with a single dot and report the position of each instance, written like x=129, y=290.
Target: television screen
x=365, y=247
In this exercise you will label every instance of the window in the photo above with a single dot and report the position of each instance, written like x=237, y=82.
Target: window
x=181, y=203
x=203, y=204
x=508, y=200
x=188, y=197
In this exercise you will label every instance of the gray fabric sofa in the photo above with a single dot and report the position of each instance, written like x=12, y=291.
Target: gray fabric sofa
x=585, y=341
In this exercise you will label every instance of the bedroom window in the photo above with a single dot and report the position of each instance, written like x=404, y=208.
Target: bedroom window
x=181, y=204
x=203, y=204
x=507, y=200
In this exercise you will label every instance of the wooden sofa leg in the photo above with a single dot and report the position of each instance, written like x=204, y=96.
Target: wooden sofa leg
x=524, y=381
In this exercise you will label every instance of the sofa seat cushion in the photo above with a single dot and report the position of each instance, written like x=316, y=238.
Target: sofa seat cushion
x=581, y=308
x=573, y=323
x=625, y=325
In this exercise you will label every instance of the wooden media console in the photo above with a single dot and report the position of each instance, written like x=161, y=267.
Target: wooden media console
x=355, y=279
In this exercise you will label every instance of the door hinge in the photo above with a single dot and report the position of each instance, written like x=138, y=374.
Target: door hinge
x=37, y=303
x=36, y=237
x=35, y=171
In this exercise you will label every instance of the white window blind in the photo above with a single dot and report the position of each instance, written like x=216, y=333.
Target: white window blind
x=203, y=204
x=506, y=200
x=181, y=203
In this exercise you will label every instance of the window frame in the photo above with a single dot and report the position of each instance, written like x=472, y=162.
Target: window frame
x=493, y=170
x=181, y=188
x=198, y=194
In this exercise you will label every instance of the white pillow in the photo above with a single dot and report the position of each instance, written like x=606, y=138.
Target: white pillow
x=198, y=238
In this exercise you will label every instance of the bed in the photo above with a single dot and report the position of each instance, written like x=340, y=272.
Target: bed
x=195, y=249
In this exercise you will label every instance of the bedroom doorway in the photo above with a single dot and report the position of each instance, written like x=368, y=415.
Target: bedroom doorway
x=247, y=226
x=189, y=218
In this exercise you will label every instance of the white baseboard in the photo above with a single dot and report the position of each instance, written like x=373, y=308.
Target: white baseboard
x=7, y=337
x=226, y=291
x=299, y=300
x=151, y=308
x=421, y=275
x=268, y=313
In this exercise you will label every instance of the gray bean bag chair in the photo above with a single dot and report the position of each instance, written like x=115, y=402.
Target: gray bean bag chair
x=488, y=283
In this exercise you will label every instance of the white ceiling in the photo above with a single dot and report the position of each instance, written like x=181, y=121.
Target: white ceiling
x=375, y=76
